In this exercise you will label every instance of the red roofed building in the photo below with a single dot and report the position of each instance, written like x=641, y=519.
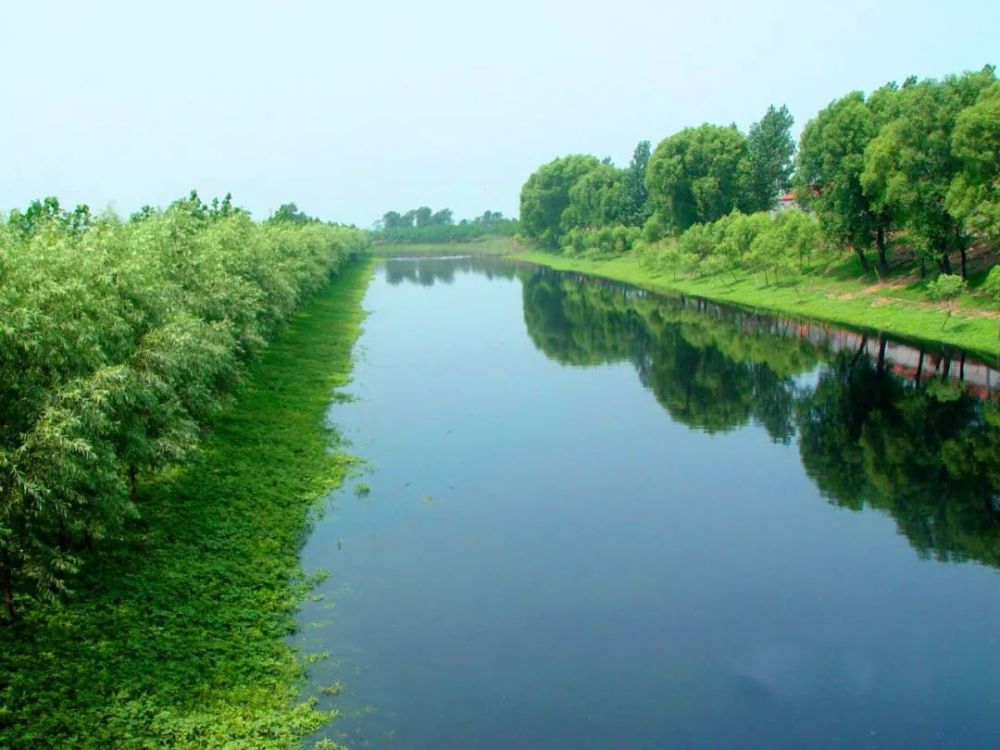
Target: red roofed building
x=786, y=201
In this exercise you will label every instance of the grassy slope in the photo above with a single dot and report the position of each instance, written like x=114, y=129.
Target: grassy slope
x=485, y=246
x=825, y=298
x=177, y=635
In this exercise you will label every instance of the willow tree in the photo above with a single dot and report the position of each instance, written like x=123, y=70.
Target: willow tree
x=698, y=175
x=770, y=153
x=973, y=197
x=545, y=196
x=830, y=162
x=119, y=341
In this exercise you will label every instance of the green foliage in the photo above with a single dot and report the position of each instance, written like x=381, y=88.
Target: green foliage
x=910, y=167
x=546, y=195
x=605, y=240
x=992, y=285
x=119, y=341
x=440, y=227
x=177, y=635
x=634, y=208
x=594, y=199
x=771, y=245
x=698, y=175
x=828, y=178
x=974, y=195
x=946, y=287
x=289, y=212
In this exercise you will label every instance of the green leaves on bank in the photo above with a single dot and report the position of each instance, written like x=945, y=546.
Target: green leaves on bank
x=118, y=341
x=177, y=633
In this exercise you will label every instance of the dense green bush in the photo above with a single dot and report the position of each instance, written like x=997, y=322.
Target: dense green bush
x=118, y=340
x=609, y=240
x=992, y=285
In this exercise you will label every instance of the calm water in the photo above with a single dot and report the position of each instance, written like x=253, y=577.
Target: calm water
x=599, y=519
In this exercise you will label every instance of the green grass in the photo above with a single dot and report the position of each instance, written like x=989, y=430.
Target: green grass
x=832, y=297
x=485, y=246
x=177, y=634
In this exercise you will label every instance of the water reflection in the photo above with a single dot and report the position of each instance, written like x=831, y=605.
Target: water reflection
x=428, y=271
x=599, y=571
x=916, y=442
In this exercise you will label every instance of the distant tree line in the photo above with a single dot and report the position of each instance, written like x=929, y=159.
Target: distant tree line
x=912, y=166
x=119, y=340
x=424, y=225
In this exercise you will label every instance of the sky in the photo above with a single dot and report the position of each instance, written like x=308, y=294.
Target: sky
x=353, y=109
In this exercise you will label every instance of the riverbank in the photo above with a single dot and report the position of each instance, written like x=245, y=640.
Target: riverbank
x=177, y=633
x=969, y=329
x=485, y=246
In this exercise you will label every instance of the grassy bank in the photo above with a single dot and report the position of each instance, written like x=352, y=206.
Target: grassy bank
x=835, y=300
x=485, y=246
x=176, y=636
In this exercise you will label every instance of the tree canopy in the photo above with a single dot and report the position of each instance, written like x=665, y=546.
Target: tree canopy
x=698, y=175
x=120, y=339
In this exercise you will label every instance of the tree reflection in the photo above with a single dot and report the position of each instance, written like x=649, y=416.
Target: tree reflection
x=926, y=455
x=428, y=271
x=709, y=372
x=925, y=451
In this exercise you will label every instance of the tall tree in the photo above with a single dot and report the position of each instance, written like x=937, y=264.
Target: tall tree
x=545, y=196
x=594, y=199
x=771, y=150
x=698, y=175
x=422, y=216
x=910, y=166
x=287, y=212
x=635, y=208
x=828, y=177
x=392, y=220
x=974, y=195
x=443, y=218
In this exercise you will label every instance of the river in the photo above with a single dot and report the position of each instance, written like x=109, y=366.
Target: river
x=592, y=517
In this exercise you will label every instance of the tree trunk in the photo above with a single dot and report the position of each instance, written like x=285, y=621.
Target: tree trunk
x=946, y=264
x=883, y=261
x=920, y=365
x=864, y=261
x=860, y=351
x=962, y=251
x=8, y=586
x=880, y=367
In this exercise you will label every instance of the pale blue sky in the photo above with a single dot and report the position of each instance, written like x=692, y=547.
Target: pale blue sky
x=350, y=109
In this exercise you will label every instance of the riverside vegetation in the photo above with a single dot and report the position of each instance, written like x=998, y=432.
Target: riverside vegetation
x=422, y=232
x=149, y=522
x=905, y=181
